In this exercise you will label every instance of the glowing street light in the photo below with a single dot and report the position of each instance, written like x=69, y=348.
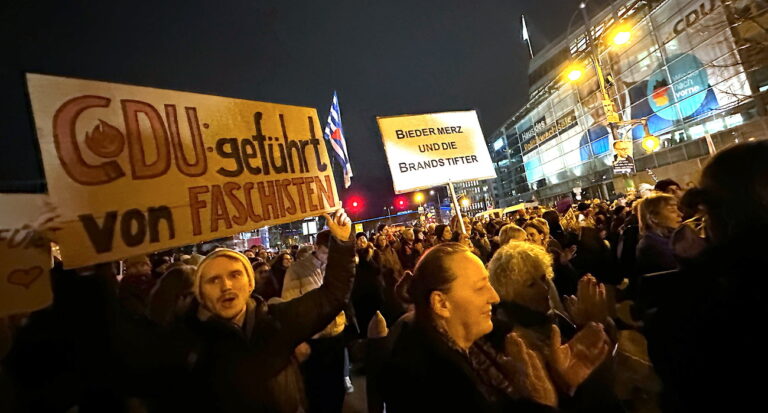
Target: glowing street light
x=575, y=73
x=650, y=143
x=418, y=197
x=621, y=36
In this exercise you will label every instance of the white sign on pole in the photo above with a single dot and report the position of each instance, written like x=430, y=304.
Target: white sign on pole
x=428, y=150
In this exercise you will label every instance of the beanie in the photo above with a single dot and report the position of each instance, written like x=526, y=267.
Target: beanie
x=226, y=253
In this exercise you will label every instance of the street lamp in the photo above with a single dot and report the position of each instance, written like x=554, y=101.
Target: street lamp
x=389, y=213
x=621, y=35
x=418, y=197
x=439, y=204
x=610, y=113
x=437, y=194
x=574, y=72
x=650, y=143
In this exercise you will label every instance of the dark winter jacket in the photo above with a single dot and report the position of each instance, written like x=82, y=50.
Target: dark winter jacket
x=425, y=374
x=654, y=254
x=191, y=365
x=706, y=335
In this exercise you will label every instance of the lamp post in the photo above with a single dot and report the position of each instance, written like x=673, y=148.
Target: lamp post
x=439, y=213
x=418, y=197
x=610, y=113
x=620, y=36
x=389, y=213
x=437, y=193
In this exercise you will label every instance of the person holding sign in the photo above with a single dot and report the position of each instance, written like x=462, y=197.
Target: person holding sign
x=228, y=352
x=252, y=343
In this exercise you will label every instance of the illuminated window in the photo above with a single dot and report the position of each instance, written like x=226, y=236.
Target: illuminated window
x=715, y=126
x=734, y=120
x=697, y=131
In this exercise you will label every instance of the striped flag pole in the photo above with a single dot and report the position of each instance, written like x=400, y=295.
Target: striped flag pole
x=334, y=133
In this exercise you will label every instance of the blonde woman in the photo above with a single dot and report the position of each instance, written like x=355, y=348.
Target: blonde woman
x=511, y=232
x=659, y=217
x=521, y=274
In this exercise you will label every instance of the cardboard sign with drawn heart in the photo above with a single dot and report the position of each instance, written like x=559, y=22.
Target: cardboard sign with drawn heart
x=25, y=256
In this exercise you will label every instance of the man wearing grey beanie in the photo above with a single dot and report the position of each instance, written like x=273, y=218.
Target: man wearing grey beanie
x=246, y=359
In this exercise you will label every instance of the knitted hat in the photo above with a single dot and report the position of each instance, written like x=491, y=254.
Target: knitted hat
x=227, y=253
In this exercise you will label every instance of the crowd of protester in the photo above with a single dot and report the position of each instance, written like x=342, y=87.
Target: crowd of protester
x=648, y=302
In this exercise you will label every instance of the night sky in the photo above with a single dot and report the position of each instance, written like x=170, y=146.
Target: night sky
x=382, y=57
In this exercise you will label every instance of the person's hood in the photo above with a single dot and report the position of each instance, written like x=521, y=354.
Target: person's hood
x=223, y=252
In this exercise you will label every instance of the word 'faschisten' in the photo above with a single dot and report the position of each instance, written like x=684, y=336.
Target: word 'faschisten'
x=416, y=133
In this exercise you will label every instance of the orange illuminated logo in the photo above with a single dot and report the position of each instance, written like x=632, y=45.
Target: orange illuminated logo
x=660, y=93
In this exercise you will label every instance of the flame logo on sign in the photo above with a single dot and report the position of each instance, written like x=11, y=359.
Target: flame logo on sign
x=105, y=140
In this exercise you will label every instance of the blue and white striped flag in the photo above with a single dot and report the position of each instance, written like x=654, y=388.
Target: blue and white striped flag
x=335, y=135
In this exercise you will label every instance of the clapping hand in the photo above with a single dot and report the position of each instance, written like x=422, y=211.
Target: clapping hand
x=589, y=304
x=340, y=225
x=574, y=361
x=528, y=373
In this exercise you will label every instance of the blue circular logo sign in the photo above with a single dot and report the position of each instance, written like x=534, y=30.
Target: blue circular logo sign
x=679, y=90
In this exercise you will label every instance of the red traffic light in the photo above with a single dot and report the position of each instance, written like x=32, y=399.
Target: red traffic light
x=401, y=203
x=354, y=204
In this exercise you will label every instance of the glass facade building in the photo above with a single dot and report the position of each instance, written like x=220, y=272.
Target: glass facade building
x=681, y=72
x=478, y=193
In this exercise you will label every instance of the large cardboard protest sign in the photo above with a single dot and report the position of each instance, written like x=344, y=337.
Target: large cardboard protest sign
x=25, y=255
x=432, y=149
x=135, y=169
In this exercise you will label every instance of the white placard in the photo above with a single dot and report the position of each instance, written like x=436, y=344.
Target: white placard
x=433, y=149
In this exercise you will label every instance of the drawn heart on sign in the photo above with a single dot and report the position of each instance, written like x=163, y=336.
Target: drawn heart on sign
x=25, y=278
